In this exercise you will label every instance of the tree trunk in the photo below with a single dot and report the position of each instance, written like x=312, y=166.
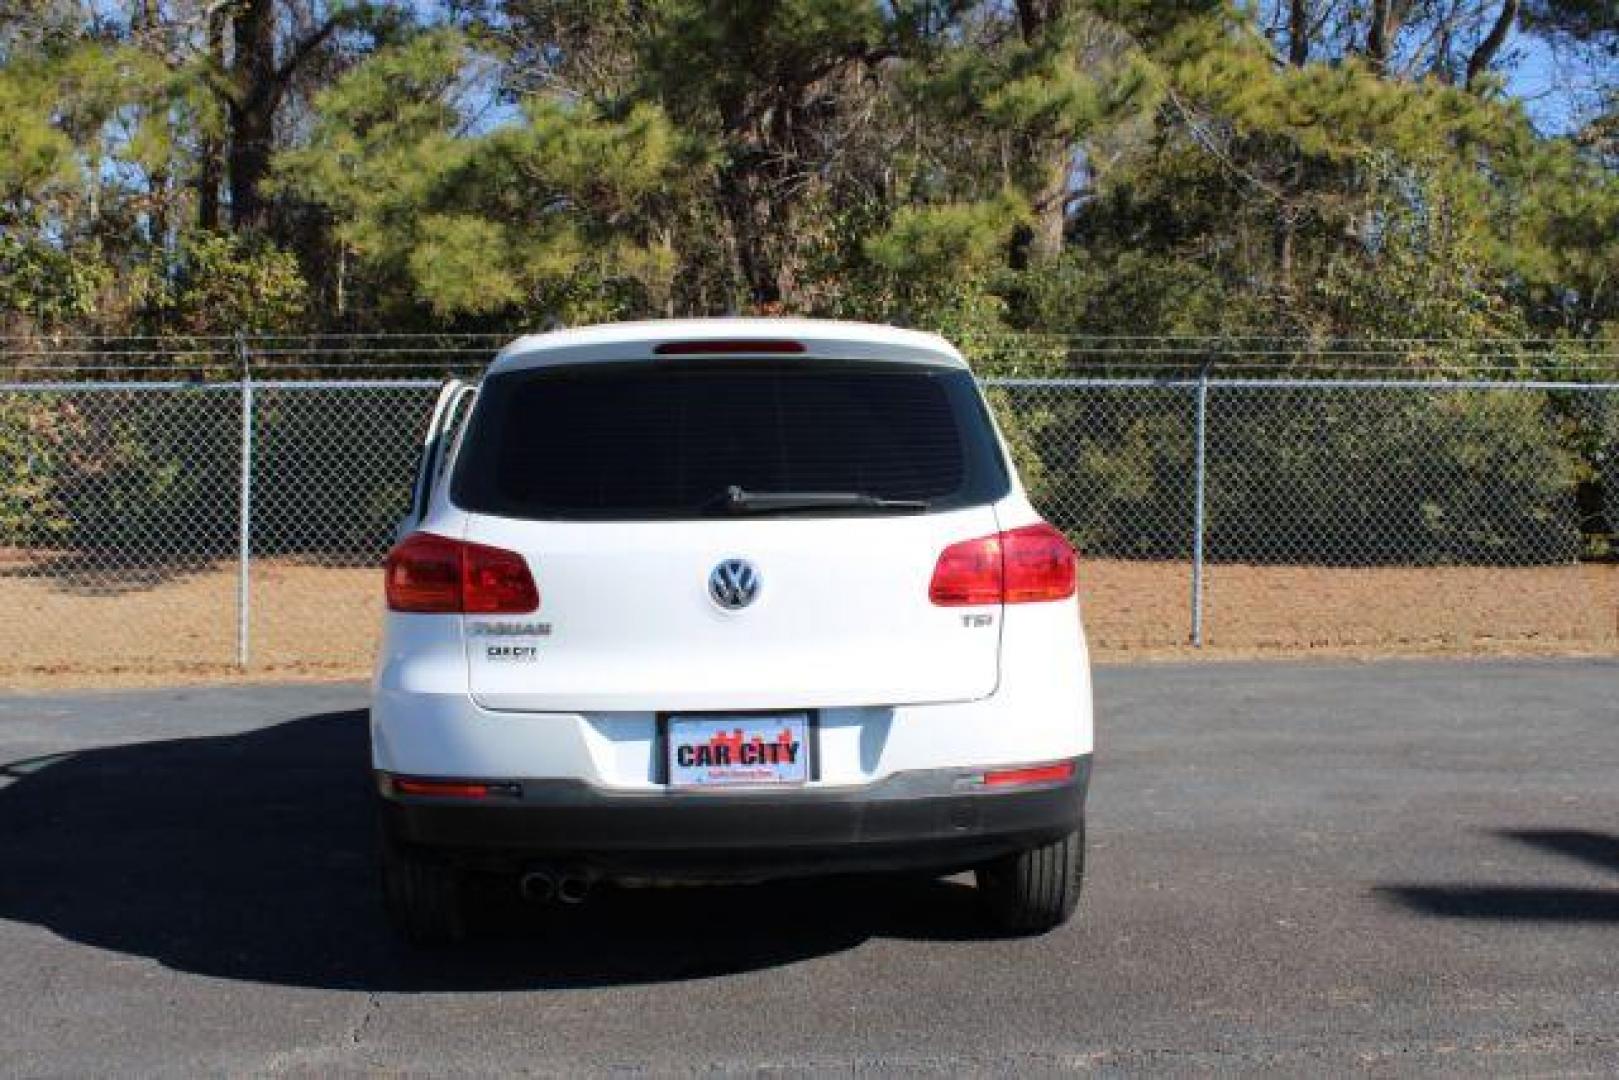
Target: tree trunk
x=252, y=112
x=1298, y=32
x=1036, y=16
x=1479, y=62
x=211, y=167
x=147, y=19
x=1380, y=37
x=1050, y=208
x=748, y=209
x=1285, y=231
x=1049, y=156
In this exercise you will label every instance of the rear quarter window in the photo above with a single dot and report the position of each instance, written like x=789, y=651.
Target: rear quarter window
x=665, y=439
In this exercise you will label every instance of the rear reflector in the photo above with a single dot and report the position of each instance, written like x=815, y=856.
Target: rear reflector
x=449, y=789
x=1034, y=774
x=1018, y=566
x=431, y=573
x=728, y=348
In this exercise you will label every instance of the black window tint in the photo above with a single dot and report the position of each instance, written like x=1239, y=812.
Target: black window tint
x=663, y=440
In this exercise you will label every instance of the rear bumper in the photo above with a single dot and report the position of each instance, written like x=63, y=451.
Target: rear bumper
x=934, y=819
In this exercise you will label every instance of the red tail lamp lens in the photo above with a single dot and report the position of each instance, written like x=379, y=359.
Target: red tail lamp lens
x=1040, y=564
x=496, y=582
x=424, y=574
x=435, y=574
x=1019, y=566
x=968, y=573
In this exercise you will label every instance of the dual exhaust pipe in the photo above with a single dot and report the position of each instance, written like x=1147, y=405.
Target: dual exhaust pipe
x=543, y=886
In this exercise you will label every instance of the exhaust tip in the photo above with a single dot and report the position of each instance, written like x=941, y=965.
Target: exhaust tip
x=537, y=887
x=573, y=889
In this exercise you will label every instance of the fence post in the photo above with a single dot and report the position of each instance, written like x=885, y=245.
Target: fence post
x=244, y=534
x=1199, y=472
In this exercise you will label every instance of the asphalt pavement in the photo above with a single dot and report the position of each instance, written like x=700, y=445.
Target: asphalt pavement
x=1397, y=867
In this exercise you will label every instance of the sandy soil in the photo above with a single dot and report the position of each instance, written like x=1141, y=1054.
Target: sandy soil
x=1130, y=605
x=68, y=629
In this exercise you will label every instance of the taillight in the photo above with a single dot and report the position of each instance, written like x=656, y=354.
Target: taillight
x=496, y=582
x=1040, y=564
x=424, y=574
x=968, y=573
x=1018, y=566
x=431, y=573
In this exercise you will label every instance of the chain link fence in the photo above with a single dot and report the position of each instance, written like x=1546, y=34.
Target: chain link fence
x=1348, y=514
x=215, y=522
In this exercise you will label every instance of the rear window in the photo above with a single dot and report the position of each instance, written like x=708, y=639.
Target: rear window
x=666, y=440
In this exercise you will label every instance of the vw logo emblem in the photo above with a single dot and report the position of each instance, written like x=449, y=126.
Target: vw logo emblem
x=734, y=584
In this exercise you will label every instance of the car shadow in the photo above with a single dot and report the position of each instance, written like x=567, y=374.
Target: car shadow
x=250, y=857
x=1531, y=903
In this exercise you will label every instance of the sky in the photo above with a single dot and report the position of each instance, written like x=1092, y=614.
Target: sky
x=1557, y=89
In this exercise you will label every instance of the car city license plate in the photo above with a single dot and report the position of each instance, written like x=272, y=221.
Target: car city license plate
x=736, y=751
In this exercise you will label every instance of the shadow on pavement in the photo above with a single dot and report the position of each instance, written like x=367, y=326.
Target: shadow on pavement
x=106, y=573
x=250, y=857
x=1527, y=903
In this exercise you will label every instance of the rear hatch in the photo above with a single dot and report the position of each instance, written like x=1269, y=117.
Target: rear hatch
x=753, y=533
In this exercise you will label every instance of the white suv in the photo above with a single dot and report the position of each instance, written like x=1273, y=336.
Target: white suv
x=727, y=600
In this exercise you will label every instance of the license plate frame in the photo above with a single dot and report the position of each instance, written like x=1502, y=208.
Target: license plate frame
x=670, y=737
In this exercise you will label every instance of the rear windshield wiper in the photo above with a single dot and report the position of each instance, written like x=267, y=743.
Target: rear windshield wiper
x=738, y=501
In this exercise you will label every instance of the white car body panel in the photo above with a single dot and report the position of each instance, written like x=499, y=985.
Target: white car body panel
x=842, y=616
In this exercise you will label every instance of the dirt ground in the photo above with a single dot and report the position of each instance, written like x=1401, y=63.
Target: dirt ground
x=75, y=629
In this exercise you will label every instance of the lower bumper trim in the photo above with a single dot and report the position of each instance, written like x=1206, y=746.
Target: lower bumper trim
x=930, y=819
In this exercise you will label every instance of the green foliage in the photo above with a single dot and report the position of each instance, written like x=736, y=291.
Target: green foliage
x=32, y=436
x=81, y=122
x=129, y=474
x=1064, y=80
x=1460, y=477
x=938, y=242
x=1116, y=476
x=1128, y=167
x=306, y=444
x=706, y=58
x=1355, y=478
x=87, y=153
x=226, y=284
x=460, y=263
x=1608, y=478
x=1128, y=292
x=48, y=284
x=504, y=222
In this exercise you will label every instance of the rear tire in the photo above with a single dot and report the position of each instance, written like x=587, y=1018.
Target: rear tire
x=423, y=899
x=1030, y=892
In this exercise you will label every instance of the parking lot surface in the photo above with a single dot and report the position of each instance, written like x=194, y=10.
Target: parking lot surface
x=1396, y=867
